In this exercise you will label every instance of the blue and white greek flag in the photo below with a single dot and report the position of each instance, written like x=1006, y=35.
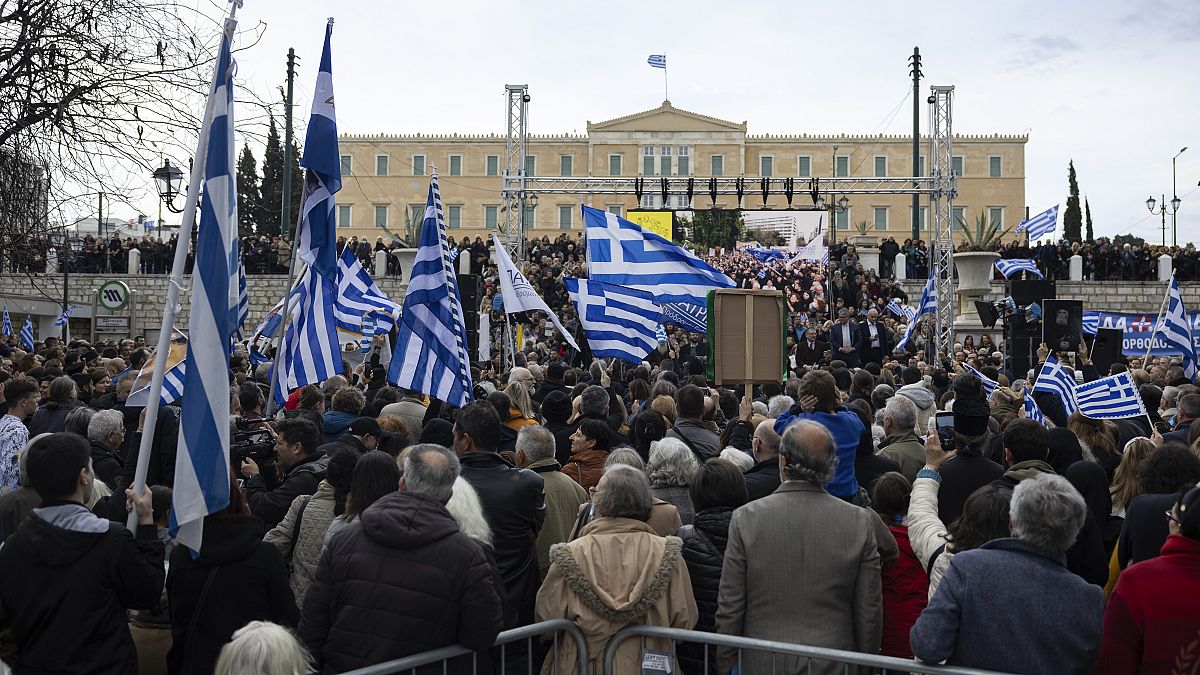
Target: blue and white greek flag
x=243, y=299
x=431, y=344
x=618, y=322
x=202, y=459
x=765, y=255
x=1176, y=331
x=660, y=334
x=6, y=326
x=1032, y=411
x=1091, y=323
x=316, y=244
x=927, y=305
x=989, y=385
x=1110, y=398
x=1058, y=379
x=687, y=316
x=173, y=375
x=64, y=317
x=358, y=297
x=1011, y=266
x=762, y=274
x=1042, y=224
x=657, y=60
x=27, y=334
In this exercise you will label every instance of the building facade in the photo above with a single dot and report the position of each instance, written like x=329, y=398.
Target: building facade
x=385, y=177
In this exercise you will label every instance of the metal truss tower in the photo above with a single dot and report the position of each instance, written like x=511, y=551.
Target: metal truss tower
x=945, y=188
x=512, y=230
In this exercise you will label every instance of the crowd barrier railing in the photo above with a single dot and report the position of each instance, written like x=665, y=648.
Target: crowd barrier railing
x=532, y=636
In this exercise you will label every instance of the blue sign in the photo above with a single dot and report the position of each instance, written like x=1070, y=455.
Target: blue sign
x=1137, y=329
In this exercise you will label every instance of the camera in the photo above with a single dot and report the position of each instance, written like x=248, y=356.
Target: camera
x=258, y=445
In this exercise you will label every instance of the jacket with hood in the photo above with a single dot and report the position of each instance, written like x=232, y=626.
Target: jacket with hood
x=66, y=579
x=245, y=579
x=399, y=580
x=620, y=572
x=924, y=399
x=335, y=423
x=270, y=498
x=305, y=547
x=704, y=552
x=847, y=431
x=586, y=467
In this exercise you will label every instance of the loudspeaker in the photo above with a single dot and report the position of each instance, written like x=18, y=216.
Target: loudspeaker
x=1062, y=325
x=470, y=288
x=1106, y=348
x=472, y=320
x=1025, y=291
x=1021, y=356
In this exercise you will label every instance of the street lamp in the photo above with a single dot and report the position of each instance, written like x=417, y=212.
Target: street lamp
x=1162, y=211
x=169, y=180
x=1175, y=201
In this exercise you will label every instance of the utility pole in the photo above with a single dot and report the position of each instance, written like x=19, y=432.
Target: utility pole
x=285, y=217
x=916, y=143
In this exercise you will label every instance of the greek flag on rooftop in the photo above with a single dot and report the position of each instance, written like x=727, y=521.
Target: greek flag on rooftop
x=1011, y=266
x=1176, y=331
x=1042, y=224
x=359, y=296
x=619, y=322
x=1058, y=379
x=989, y=385
x=431, y=352
x=27, y=334
x=657, y=60
x=927, y=305
x=202, y=459
x=310, y=351
x=1110, y=398
x=6, y=327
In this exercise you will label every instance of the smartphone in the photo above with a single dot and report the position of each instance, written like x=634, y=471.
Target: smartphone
x=945, y=429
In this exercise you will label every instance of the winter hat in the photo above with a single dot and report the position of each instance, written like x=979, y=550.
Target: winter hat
x=556, y=407
x=971, y=416
x=439, y=432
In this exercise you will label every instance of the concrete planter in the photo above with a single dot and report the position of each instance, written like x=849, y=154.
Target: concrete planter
x=974, y=271
x=869, y=257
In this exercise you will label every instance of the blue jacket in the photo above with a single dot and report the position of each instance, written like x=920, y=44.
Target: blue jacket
x=1009, y=608
x=335, y=424
x=847, y=430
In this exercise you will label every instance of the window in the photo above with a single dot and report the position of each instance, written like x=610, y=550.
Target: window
x=491, y=217
x=921, y=166
x=381, y=215
x=492, y=165
x=614, y=209
x=994, y=166
x=456, y=165
x=347, y=165
x=956, y=165
x=530, y=216
x=996, y=216
x=881, y=217
x=804, y=166
x=664, y=160
x=648, y=161
x=343, y=215
x=454, y=216
x=766, y=165
x=958, y=215
x=841, y=166
x=614, y=165
x=685, y=161
x=530, y=165
x=717, y=164
x=565, y=165
x=381, y=165
x=881, y=166
x=418, y=162
x=416, y=215
x=842, y=219
x=922, y=218
x=564, y=216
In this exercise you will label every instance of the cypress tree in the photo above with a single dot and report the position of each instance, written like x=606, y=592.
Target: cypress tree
x=271, y=190
x=247, y=193
x=1073, y=220
x=1087, y=211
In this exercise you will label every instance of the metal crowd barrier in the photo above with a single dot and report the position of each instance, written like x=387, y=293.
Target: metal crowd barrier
x=531, y=635
x=848, y=660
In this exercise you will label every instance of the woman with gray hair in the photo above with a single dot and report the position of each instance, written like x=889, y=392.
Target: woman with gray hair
x=52, y=416
x=263, y=648
x=1050, y=622
x=672, y=464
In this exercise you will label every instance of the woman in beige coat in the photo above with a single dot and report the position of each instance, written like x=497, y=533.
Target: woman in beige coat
x=618, y=573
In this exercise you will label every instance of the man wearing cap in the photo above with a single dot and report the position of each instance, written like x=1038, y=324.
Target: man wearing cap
x=970, y=469
x=842, y=337
x=553, y=381
x=362, y=436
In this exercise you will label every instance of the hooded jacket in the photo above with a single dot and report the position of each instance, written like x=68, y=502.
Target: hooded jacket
x=248, y=583
x=620, y=572
x=270, y=498
x=335, y=423
x=924, y=399
x=66, y=579
x=586, y=467
x=305, y=547
x=399, y=580
x=563, y=497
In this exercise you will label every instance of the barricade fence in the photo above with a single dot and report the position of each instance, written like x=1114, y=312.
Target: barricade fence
x=522, y=650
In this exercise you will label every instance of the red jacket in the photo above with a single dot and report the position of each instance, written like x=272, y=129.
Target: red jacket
x=1152, y=622
x=905, y=593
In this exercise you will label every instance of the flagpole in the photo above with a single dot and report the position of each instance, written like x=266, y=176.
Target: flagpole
x=281, y=331
x=175, y=282
x=1158, y=320
x=666, y=91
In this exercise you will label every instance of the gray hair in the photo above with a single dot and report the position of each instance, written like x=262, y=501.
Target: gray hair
x=263, y=647
x=624, y=457
x=1170, y=394
x=671, y=462
x=809, y=453
x=623, y=492
x=1047, y=513
x=765, y=433
x=759, y=408
x=739, y=458
x=331, y=385
x=77, y=421
x=467, y=510
x=430, y=470
x=778, y=405
x=536, y=442
x=63, y=389
x=104, y=423
x=593, y=401
x=902, y=412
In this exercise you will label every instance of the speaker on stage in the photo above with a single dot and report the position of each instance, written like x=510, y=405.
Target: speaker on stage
x=472, y=320
x=470, y=288
x=1106, y=348
x=1025, y=291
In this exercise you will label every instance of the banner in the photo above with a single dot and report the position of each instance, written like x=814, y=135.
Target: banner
x=658, y=222
x=1137, y=329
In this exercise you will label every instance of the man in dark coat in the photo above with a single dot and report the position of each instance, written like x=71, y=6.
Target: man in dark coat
x=843, y=337
x=513, y=502
x=874, y=339
x=1187, y=410
x=763, y=478
x=270, y=490
x=551, y=382
x=811, y=349
x=67, y=577
x=402, y=579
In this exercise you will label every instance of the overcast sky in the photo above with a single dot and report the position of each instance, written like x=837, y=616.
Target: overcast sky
x=1113, y=85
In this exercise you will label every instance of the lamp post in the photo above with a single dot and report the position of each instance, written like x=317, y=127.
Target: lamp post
x=1162, y=211
x=1175, y=201
x=841, y=205
x=168, y=180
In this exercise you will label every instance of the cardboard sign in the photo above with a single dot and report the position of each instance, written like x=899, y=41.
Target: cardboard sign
x=746, y=336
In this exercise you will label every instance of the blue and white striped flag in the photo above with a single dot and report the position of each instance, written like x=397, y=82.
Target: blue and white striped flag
x=1058, y=379
x=173, y=374
x=431, y=344
x=1011, y=266
x=657, y=60
x=243, y=299
x=762, y=274
x=202, y=458
x=27, y=334
x=989, y=385
x=1040, y=225
x=660, y=334
x=927, y=305
x=618, y=321
x=1176, y=331
x=687, y=316
x=1091, y=323
x=1110, y=398
x=6, y=327
x=358, y=297
x=64, y=317
x=1032, y=411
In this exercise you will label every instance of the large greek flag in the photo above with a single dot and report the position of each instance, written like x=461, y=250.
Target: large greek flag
x=1110, y=398
x=202, y=459
x=1058, y=379
x=1176, y=331
x=358, y=297
x=622, y=253
x=927, y=305
x=1011, y=266
x=1040, y=225
x=619, y=322
x=431, y=344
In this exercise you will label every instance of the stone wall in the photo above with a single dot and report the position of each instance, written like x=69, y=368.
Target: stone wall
x=1109, y=296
